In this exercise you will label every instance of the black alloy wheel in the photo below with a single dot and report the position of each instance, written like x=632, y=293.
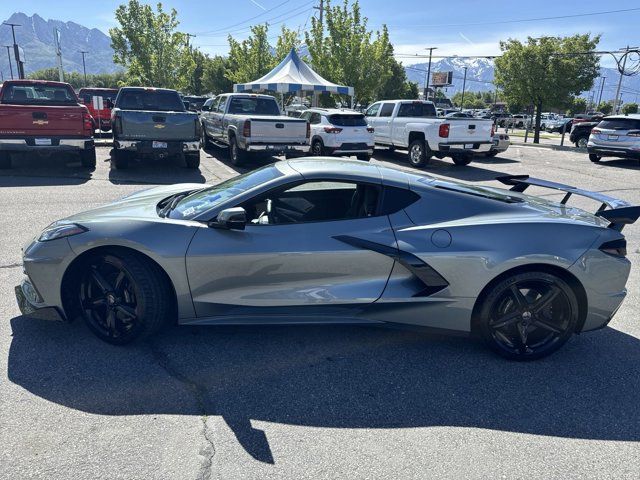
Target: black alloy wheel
x=317, y=149
x=529, y=316
x=122, y=298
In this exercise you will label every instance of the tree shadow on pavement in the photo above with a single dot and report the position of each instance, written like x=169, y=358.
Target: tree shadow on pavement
x=157, y=171
x=253, y=161
x=335, y=377
x=62, y=168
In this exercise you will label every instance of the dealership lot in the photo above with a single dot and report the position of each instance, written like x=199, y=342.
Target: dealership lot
x=305, y=402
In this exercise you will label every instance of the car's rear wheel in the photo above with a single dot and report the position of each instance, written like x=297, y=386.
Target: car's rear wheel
x=582, y=142
x=528, y=315
x=491, y=153
x=594, y=158
x=88, y=158
x=120, y=159
x=419, y=153
x=124, y=297
x=192, y=159
x=462, y=160
x=237, y=156
x=364, y=156
x=5, y=160
x=317, y=148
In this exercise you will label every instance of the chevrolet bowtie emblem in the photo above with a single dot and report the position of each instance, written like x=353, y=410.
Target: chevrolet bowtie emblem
x=158, y=125
x=41, y=122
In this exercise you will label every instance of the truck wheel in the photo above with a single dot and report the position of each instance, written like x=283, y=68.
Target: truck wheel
x=237, y=155
x=594, y=158
x=120, y=159
x=205, y=138
x=364, y=157
x=419, y=153
x=192, y=160
x=5, y=160
x=462, y=160
x=491, y=153
x=88, y=158
x=317, y=149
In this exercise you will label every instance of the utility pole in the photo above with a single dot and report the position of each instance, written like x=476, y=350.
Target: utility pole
x=56, y=39
x=464, y=86
x=617, y=100
x=189, y=35
x=9, y=57
x=321, y=10
x=84, y=67
x=601, y=88
x=16, y=51
x=428, y=76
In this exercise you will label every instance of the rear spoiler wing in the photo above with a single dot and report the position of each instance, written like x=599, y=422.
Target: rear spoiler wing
x=618, y=212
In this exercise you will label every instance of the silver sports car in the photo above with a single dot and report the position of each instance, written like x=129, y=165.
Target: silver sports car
x=317, y=240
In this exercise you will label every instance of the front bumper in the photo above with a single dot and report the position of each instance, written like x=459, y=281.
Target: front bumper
x=173, y=147
x=56, y=144
x=604, y=151
x=464, y=147
x=31, y=304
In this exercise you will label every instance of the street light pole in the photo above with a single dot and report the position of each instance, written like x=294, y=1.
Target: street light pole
x=464, y=86
x=601, y=88
x=428, y=76
x=84, y=67
x=9, y=57
x=16, y=51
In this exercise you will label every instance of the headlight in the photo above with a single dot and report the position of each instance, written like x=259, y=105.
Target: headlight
x=60, y=230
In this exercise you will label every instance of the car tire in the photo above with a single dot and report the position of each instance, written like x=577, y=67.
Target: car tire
x=528, y=315
x=491, y=153
x=392, y=148
x=192, y=160
x=462, y=160
x=317, y=148
x=594, y=158
x=204, y=140
x=419, y=153
x=236, y=155
x=124, y=296
x=365, y=157
x=88, y=158
x=119, y=159
x=582, y=142
x=5, y=160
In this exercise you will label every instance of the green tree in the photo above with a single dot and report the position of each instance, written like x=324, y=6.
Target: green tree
x=214, y=79
x=576, y=106
x=628, y=108
x=148, y=44
x=546, y=71
x=397, y=86
x=606, y=107
x=251, y=58
x=76, y=79
x=345, y=51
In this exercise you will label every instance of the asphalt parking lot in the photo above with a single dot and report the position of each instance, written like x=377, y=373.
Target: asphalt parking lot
x=305, y=402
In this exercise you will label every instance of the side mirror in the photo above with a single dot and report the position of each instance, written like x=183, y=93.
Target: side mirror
x=230, y=219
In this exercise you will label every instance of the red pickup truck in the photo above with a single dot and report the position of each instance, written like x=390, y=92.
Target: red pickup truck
x=102, y=116
x=43, y=116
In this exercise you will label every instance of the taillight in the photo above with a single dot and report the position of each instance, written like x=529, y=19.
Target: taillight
x=444, y=130
x=87, y=122
x=596, y=130
x=617, y=248
x=332, y=129
x=371, y=129
x=308, y=130
x=493, y=130
x=246, y=129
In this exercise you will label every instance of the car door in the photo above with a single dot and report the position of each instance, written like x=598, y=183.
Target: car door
x=383, y=126
x=301, y=261
x=205, y=114
x=372, y=118
x=216, y=118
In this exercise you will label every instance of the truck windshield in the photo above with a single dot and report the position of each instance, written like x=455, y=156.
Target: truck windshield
x=38, y=95
x=203, y=200
x=417, y=109
x=155, y=100
x=254, y=106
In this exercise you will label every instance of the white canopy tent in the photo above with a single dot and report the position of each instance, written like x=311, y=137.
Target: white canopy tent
x=292, y=75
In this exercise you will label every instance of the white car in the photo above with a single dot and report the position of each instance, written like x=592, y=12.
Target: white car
x=339, y=132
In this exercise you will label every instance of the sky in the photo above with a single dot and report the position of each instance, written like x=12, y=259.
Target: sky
x=455, y=27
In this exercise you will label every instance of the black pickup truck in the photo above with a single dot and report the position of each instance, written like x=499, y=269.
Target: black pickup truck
x=153, y=123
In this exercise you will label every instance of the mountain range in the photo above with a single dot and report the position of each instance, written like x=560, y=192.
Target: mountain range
x=35, y=35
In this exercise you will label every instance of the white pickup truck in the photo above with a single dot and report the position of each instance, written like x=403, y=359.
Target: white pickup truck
x=413, y=124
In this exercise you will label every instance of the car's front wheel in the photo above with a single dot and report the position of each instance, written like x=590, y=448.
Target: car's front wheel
x=594, y=158
x=120, y=159
x=528, y=315
x=582, y=142
x=123, y=296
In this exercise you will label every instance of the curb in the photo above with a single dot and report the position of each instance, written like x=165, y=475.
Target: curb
x=550, y=147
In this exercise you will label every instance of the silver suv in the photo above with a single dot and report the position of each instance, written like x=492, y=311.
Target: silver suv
x=615, y=136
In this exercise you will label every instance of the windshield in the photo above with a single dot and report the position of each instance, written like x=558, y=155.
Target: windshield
x=39, y=95
x=254, y=106
x=156, y=100
x=203, y=200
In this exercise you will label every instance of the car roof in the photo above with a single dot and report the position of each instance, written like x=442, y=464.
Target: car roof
x=149, y=88
x=632, y=116
x=25, y=81
x=333, y=111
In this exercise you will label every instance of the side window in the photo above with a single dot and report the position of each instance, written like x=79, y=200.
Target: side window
x=372, y=111
x=304, y=116
x=206, y=106
x=314, y=201
x=315, y=119
x=387, y=109
x=222, y=105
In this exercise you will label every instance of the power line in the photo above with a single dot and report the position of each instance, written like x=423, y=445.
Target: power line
x=244, y=21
